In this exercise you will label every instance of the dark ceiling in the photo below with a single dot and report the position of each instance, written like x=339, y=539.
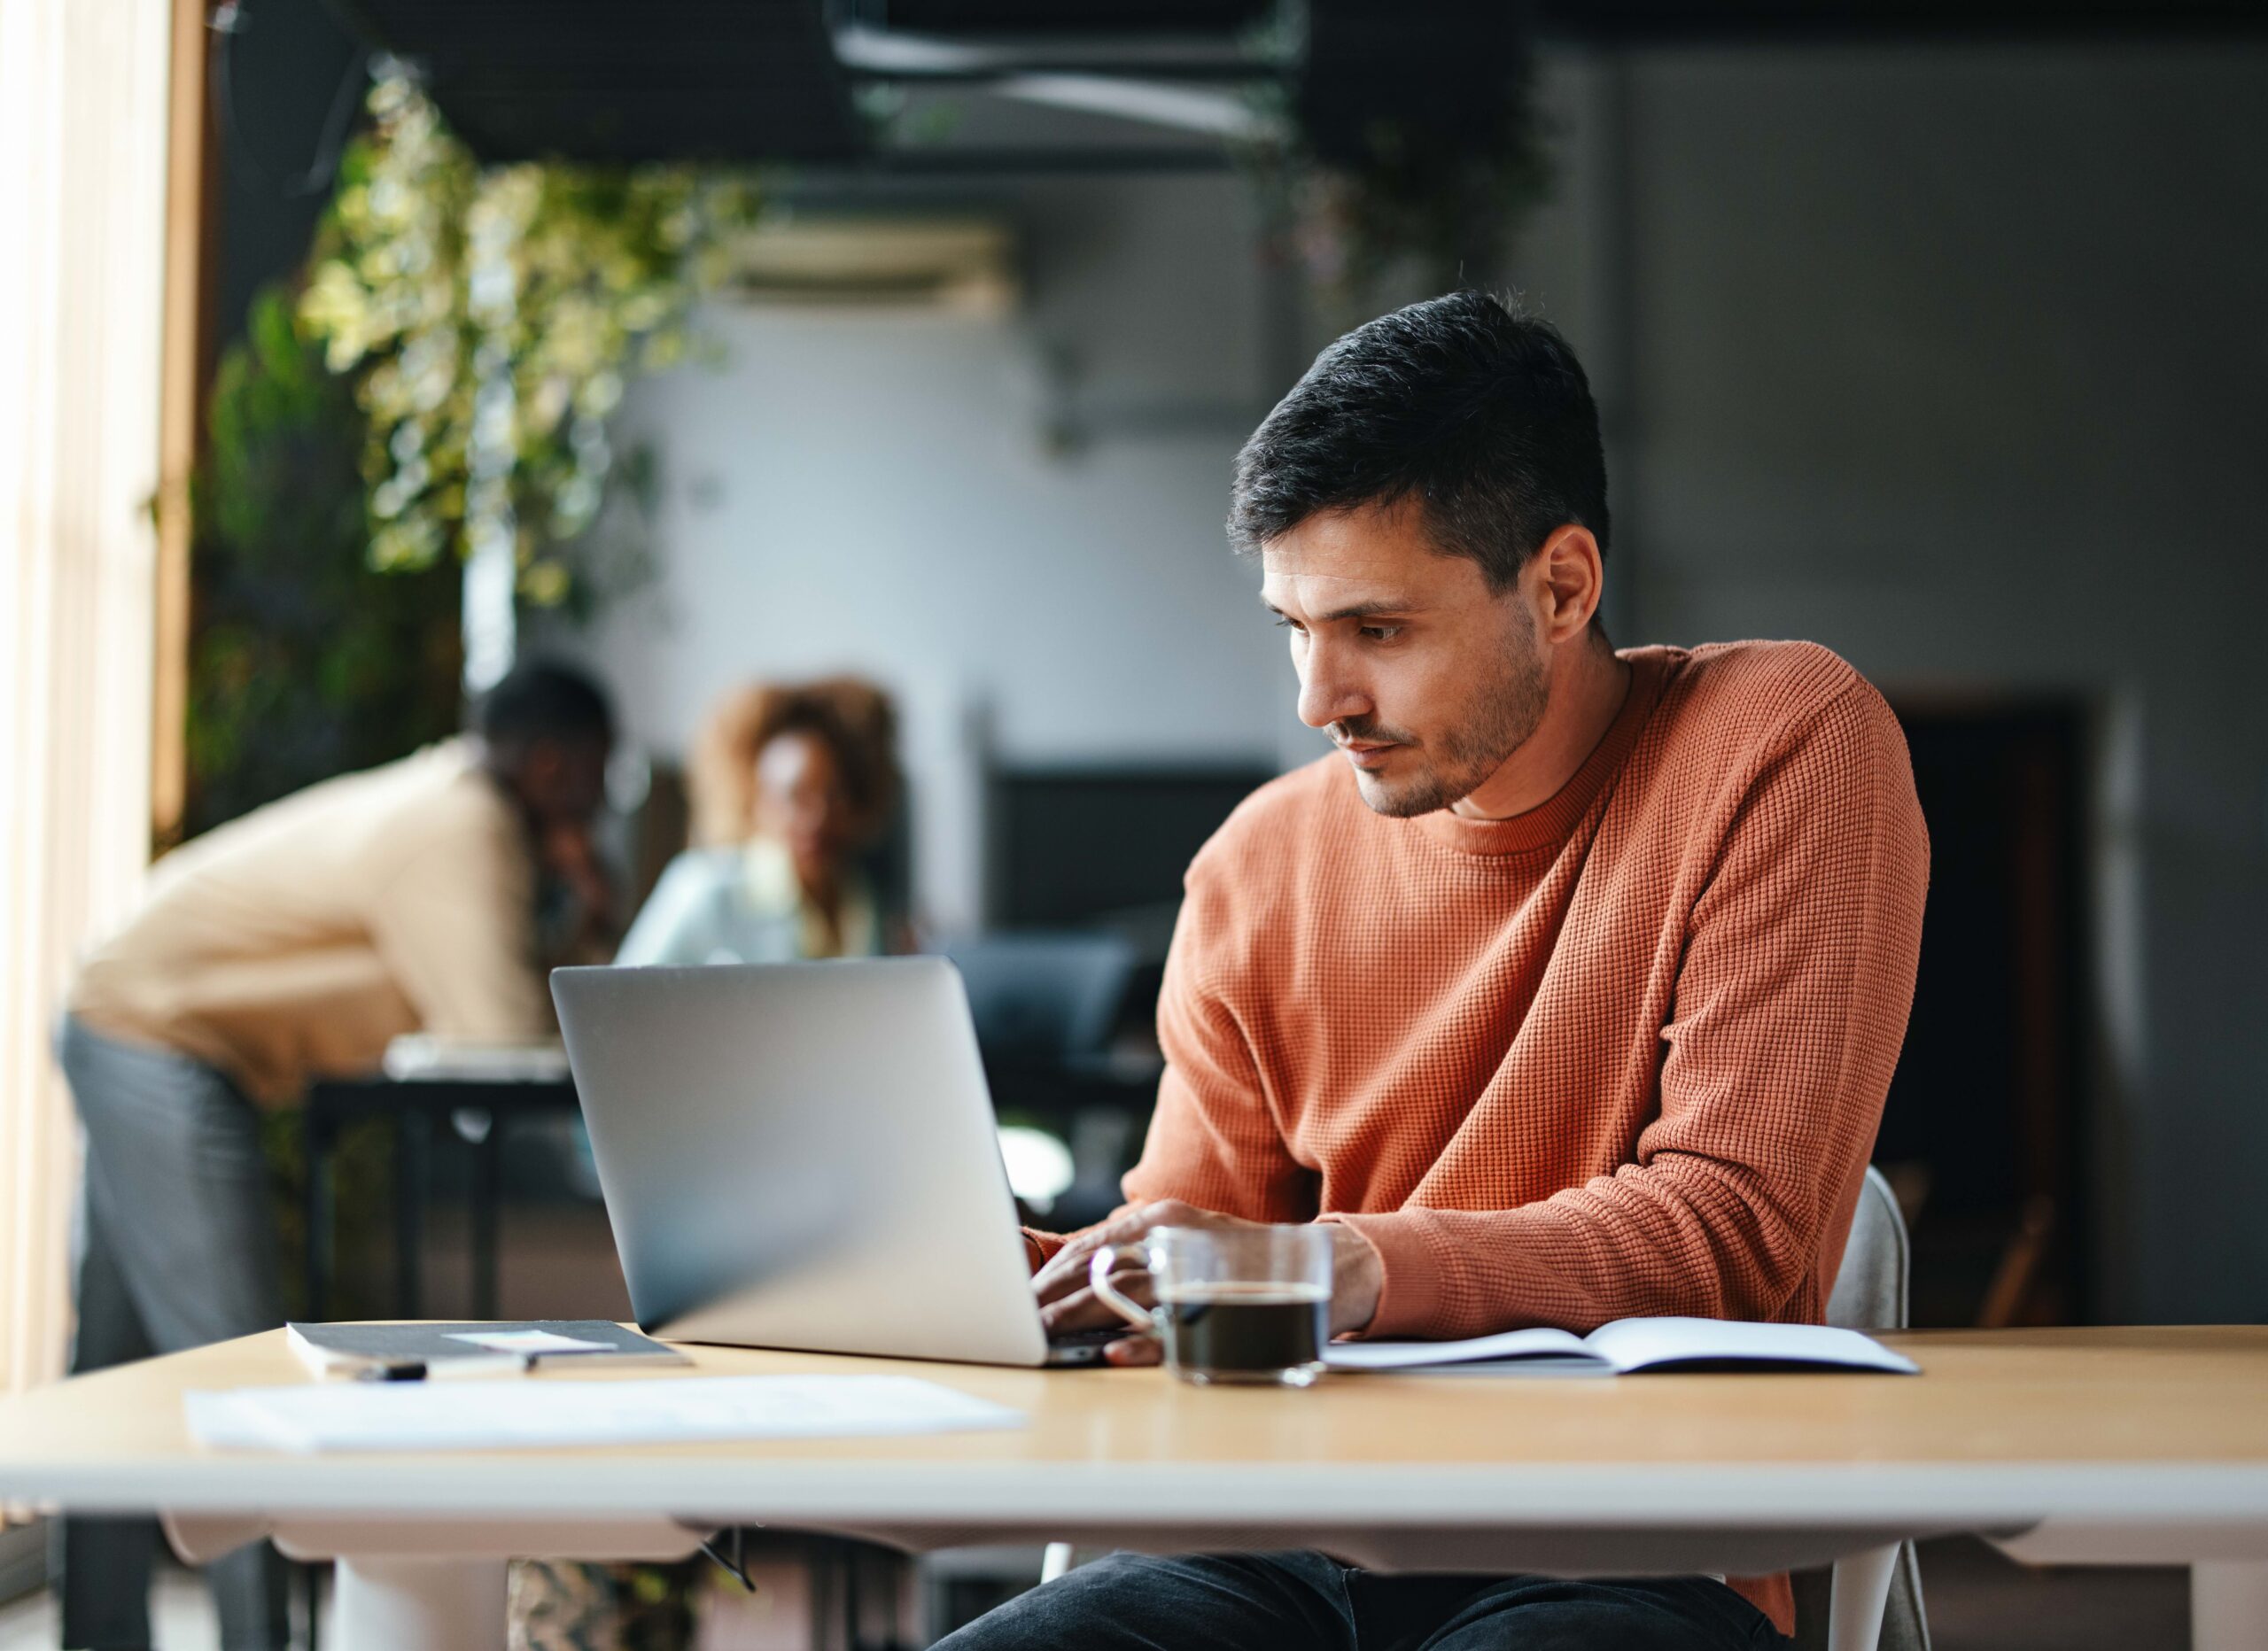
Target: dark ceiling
x=1578, y=19
x=595, y=80
x=759, y=80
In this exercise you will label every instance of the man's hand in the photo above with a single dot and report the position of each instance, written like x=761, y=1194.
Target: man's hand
x=569, y=853
x=1068, y=1303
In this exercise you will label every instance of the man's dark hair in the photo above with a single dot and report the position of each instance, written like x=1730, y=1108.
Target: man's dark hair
x=1481, y=416
x=539, y=700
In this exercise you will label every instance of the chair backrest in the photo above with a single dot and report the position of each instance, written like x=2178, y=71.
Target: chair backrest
x=1869, y=1294
x=1869, y=1291
x=1042, y=995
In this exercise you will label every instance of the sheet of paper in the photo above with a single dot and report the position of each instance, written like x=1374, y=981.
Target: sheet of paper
x=545, y=1411
x=1555, y=1346
x=418, y=1056
x=527, y=1341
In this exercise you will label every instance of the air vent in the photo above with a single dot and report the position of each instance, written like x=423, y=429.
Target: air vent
x=966, y=265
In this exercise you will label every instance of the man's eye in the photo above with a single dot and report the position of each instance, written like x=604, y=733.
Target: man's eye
x=1283, y=623
x=1381, y=633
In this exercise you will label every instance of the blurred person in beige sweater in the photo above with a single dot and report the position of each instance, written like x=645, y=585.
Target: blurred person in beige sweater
x=295, y=942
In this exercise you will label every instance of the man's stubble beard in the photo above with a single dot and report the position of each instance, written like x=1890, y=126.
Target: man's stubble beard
x=1505, y=713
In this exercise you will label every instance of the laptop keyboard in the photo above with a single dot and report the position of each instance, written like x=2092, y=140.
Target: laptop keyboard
x=1090, y=1338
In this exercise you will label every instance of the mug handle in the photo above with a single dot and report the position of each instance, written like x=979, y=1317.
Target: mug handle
x=1098, y=1276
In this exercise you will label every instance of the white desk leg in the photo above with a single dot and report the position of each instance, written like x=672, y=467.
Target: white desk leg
x=1861, y=1590
x=2228, y=1607
x=389, y=1604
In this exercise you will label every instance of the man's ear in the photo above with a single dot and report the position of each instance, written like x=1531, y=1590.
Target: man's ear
x=1571, y=578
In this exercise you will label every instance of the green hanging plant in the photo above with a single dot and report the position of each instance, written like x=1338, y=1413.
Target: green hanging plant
x=491, y=318
x=1448, y=203
x=1434, y=181
x=303, y=662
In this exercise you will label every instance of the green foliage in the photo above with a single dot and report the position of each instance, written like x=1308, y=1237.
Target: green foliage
x=304, y=663
x=1435, y=184
x=442, y=380
x=489, y=319
x=1437, y=199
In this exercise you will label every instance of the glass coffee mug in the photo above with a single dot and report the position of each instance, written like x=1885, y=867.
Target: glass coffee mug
x=1238, y=1304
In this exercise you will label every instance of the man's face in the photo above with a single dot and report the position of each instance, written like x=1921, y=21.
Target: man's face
x=563, y=782
x=1422, y=675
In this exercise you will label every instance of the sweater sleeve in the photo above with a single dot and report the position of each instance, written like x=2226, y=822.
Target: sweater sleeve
x=1789, y=1009
x=1213, y=1139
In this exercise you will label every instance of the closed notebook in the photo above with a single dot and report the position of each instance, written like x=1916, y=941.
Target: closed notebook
x=528, y=1343
x=1629, y=1346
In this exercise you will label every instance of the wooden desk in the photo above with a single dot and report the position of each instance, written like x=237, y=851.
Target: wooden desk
x=2100, y=1446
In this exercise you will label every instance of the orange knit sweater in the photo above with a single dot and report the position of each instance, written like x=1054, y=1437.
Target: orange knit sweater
x=1624, y=1054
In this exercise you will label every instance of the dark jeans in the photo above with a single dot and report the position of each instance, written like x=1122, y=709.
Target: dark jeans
x=177, y=1248
x=1311, y=1603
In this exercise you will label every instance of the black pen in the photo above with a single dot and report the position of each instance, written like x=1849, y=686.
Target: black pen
x=449, y=1369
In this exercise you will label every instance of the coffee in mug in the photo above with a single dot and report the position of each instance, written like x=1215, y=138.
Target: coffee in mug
x=1234, y=1304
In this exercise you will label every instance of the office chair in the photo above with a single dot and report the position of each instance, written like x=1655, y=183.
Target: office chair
x=1040, y=996
x=1869, y=1294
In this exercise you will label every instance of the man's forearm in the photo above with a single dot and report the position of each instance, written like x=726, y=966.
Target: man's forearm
x=1621, y=1247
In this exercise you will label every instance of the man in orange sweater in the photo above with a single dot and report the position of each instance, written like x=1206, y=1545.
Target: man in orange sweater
x=1567, y=990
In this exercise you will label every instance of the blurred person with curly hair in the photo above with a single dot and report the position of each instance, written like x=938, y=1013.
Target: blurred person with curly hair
x=790, y=783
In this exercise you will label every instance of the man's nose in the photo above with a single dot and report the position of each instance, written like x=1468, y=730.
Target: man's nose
x=1328, y=692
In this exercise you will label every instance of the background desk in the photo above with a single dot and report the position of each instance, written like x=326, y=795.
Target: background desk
x=2102, y=1446
x=415, y=1108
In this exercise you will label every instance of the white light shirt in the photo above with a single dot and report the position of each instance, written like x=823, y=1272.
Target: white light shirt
x=744, y=904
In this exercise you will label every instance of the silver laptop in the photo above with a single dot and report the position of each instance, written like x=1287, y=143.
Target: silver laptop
x=803, y=1155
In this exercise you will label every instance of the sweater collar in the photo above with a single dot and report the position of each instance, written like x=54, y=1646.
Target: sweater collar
x=1547, y=824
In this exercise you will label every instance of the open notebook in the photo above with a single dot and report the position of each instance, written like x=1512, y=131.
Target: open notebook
x=1629, y=1345
x=440, y=1351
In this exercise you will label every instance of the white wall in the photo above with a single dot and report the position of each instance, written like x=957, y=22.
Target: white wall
x=875, y=491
